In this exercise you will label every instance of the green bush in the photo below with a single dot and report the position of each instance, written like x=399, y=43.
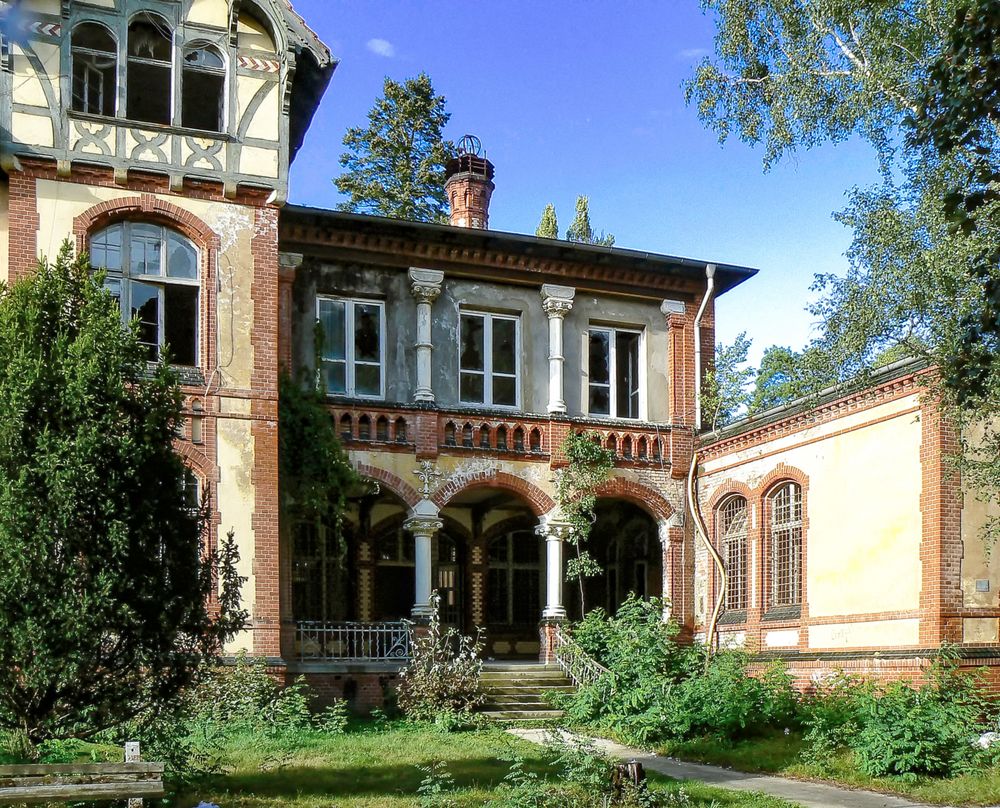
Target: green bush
x=727, y=701
x=442, y=677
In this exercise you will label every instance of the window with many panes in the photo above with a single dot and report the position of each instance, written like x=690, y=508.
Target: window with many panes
x=353, y=346
x=785, y=507
x=153, y=273
x=731, y=522
x=95, y=69
x=615, y=372
x=488, y=359
x=514, y=583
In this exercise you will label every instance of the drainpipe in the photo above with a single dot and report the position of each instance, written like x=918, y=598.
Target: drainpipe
x=709, y=290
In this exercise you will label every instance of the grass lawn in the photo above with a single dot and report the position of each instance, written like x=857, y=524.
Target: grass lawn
x=779, y=754
x=377, y=765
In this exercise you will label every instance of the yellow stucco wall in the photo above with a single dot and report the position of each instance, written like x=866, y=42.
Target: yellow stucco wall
x=864, y=523
x=235, y=493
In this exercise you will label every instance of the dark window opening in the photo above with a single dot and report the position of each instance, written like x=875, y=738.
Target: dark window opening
x=614, y=371
x=203, y=84
x=149, y=90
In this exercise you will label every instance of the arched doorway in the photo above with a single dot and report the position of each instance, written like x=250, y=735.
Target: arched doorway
x=625, y=542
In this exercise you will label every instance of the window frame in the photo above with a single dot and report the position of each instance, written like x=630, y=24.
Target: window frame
x=203, y=44
x=725, y=538
x=795, y=526
x=508, y=568
x=150, y=62
x=126, y=279
x=612, y=386
x=487, y=372
x=350, y=362
x=116, y=56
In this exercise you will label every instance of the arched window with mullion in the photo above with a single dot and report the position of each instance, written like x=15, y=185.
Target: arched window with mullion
x=785, y=509
x=203, y=86
x=153, y=272
x=95, y=69
x=731, y=522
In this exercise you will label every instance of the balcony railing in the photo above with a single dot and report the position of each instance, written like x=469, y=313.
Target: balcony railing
x=353, y=642
x=577, y=664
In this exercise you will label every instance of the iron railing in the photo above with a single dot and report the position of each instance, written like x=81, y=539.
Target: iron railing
x=577, y=664
x=351, y=641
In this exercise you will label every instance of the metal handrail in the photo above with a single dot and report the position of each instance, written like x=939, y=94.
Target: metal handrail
x=581, y=668
x=387, y=641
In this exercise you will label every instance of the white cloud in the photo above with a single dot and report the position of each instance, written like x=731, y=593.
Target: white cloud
x=381, y=47
x=692, y=53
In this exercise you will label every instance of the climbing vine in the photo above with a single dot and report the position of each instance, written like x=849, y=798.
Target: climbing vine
x=590, y=466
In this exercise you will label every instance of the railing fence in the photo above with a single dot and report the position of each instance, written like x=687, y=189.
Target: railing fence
x=363, y=642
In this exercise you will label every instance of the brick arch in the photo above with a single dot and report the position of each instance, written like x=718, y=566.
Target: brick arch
x=781, y=473
x=197, y=460
x=149, y=208
x=506, y=526
x=397, y=486
x=538, y=500
x=650, y=500
x=726, y=489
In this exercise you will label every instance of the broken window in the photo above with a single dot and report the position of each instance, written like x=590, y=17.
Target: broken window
x=191, y=489
x=203, y=84
x=614, y=372
x=353, y=346
x=150, y=61
x=731, y=521
x=488, y=360
x=152, y=271
x=785, y=506
x=95, y=69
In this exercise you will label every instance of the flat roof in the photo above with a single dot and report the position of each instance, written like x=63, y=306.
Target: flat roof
x=727, y=276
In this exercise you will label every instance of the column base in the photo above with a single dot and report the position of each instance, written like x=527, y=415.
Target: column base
x=422, y=614
x=556, y=614
x=546, y=639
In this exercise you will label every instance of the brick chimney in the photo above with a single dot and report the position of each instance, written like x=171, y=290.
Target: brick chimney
x=469, y=185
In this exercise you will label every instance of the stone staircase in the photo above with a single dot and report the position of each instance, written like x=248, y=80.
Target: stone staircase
x=515, y=691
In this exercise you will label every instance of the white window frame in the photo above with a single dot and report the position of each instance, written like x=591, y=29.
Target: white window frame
x=349, y=358
x=613, y=371
x=124, y=278
x=487, y=372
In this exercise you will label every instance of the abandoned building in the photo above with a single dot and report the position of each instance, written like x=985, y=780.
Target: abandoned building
x=157, y=135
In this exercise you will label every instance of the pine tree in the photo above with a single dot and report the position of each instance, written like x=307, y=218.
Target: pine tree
x=548, y=227
x=395, y=167
x=581, y=231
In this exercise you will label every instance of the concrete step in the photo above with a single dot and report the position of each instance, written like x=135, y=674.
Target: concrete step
x=518, y=677
x=519, y=666
x=523, y=715
x=521, y=698
x=520, y=691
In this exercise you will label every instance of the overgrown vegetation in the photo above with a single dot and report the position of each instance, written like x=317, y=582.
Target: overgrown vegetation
x=441, y=681
x=658, y=691
x=106, y=587
x=589, y=466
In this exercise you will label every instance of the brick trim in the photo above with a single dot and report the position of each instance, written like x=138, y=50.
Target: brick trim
x=149, y=208
x=402, y=489
x=539, y=501
x=650, y=500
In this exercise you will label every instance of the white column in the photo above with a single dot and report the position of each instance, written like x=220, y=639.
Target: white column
x=554, y=533
x=663, y=528
x=423, y=529
x=425, y=287
x=557, y=302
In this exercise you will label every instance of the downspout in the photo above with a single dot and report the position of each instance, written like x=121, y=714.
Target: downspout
x=709, y=290
x=699, y=524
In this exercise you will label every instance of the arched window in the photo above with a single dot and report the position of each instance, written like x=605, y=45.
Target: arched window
x=153, y=272
x=150, y=62
x=731, y=526
x=785, y=507
x=192, y=490
x=515, y=579
x=95, y=69
x=203, y=85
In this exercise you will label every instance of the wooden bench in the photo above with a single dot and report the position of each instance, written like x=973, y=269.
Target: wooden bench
x=69, y=782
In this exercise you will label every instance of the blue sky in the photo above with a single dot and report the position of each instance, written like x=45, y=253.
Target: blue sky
x=585, y=98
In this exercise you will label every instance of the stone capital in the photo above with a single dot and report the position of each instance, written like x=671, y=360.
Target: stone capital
x=425, y=284
x=554, y=530
x=423, y=525
x=557, y=301
x=673, y=311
